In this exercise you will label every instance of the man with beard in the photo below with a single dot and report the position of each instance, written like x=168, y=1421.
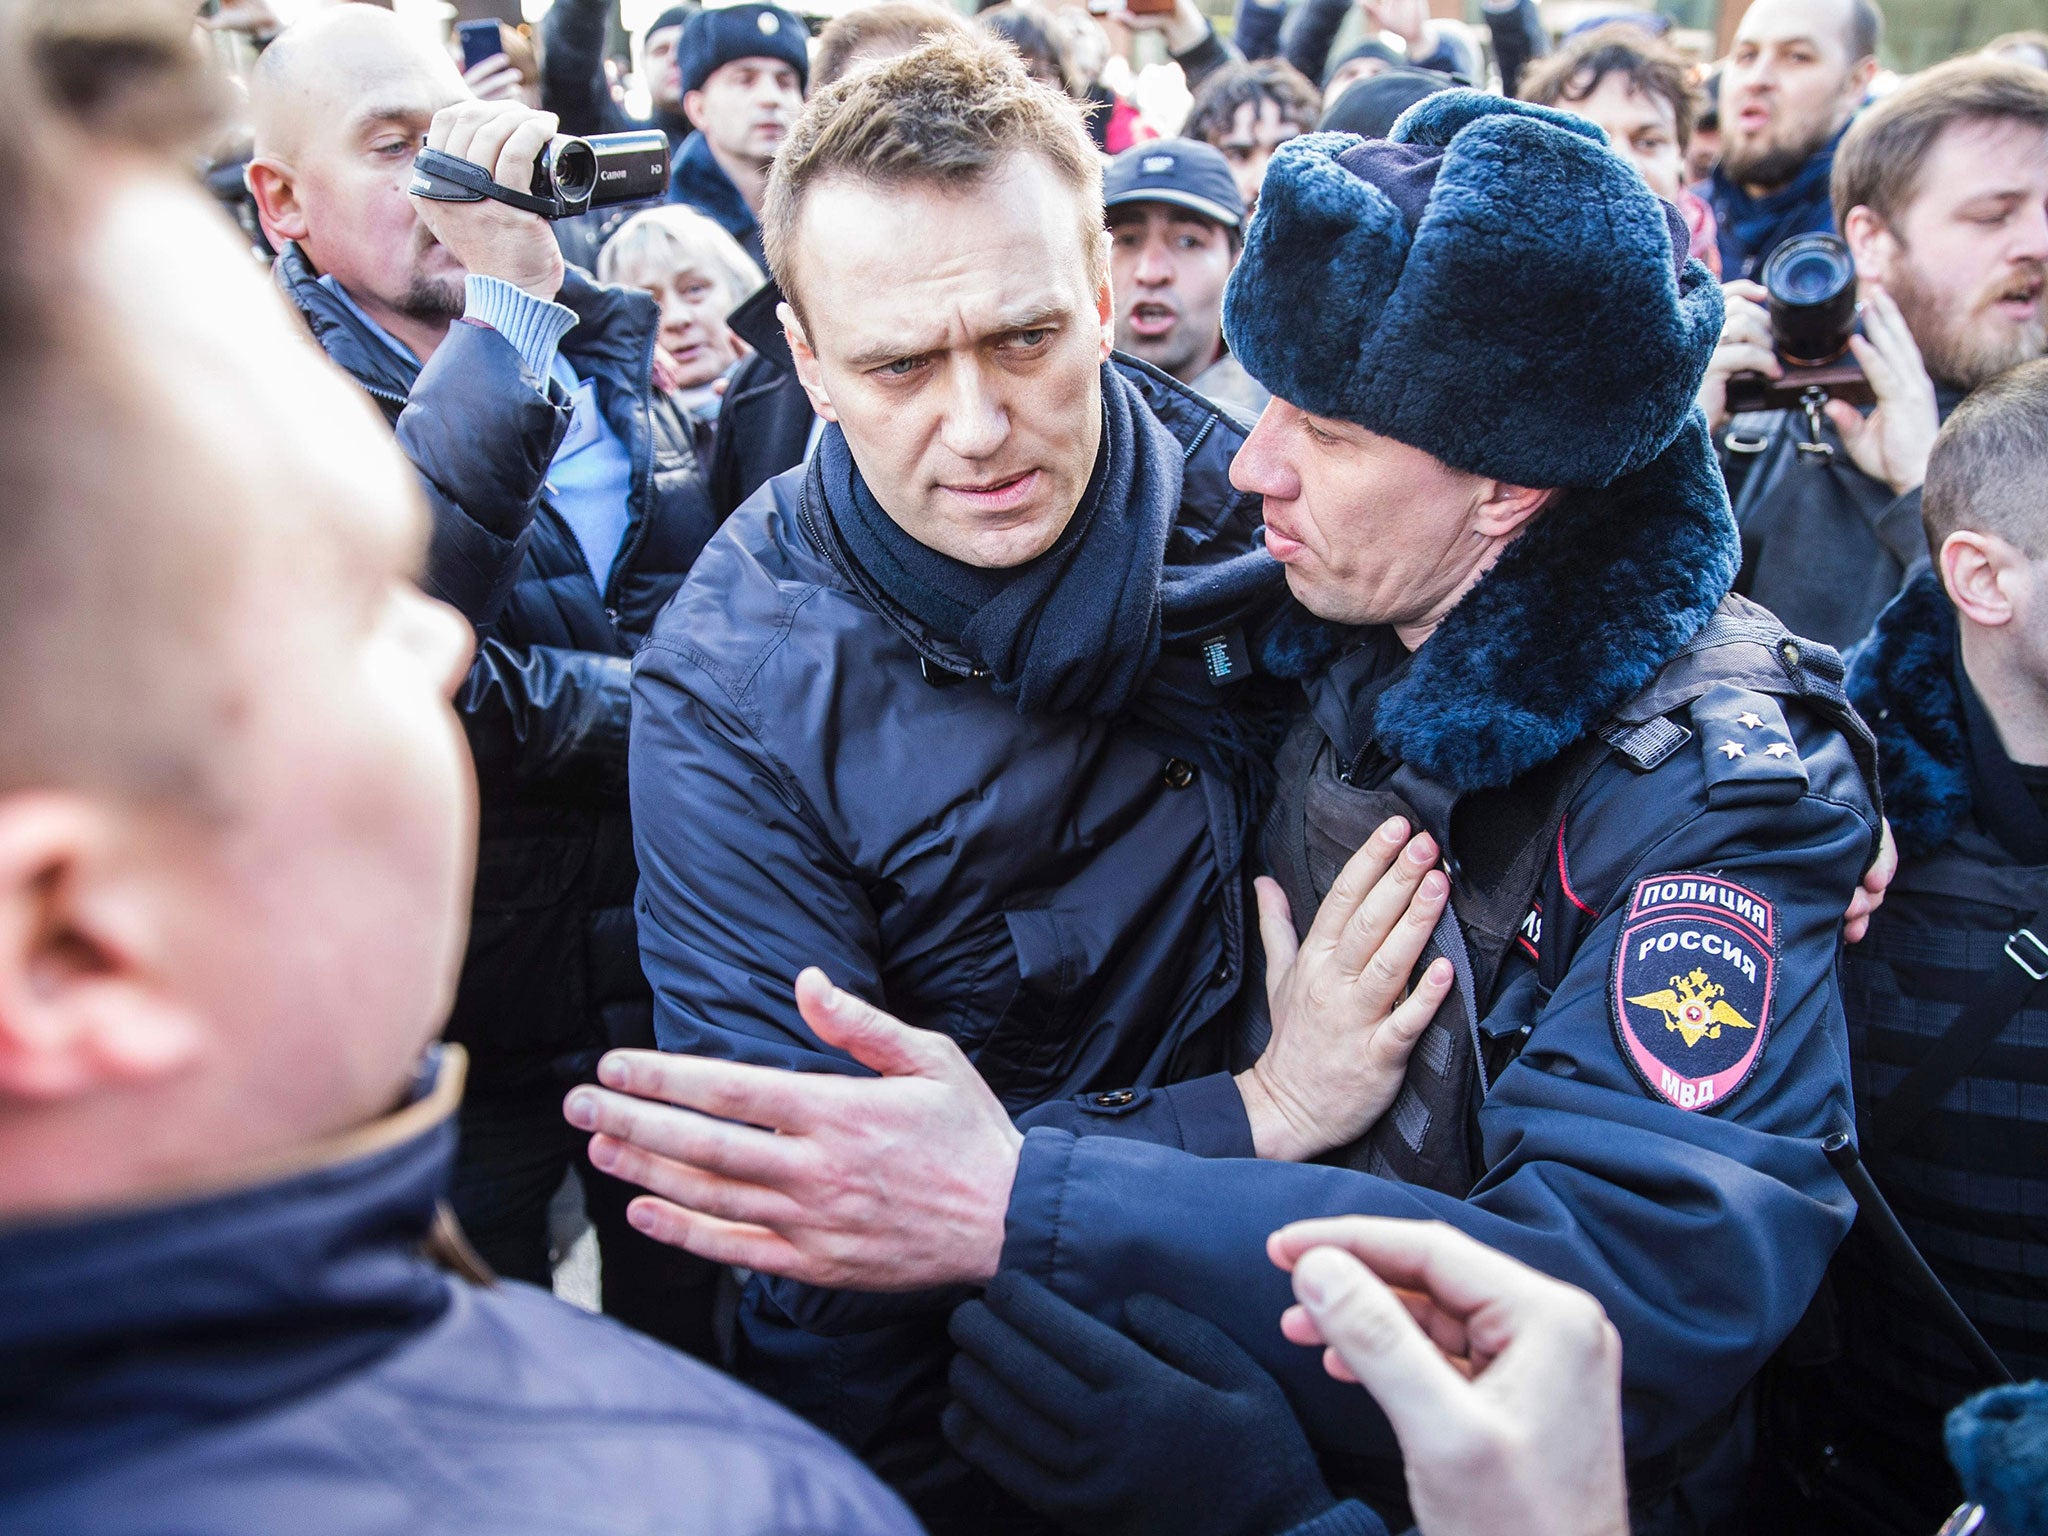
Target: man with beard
x=572, y=78
x=1175, y=222
x=564, y=516
x=1798, y=72
x=742, y=73
x=1941, y=190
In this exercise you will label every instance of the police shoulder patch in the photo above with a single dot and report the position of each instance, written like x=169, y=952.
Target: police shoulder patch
x=1695, y=976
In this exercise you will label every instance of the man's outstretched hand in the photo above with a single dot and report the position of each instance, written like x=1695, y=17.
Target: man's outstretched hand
x=890, y=1183
x=1502, y=1385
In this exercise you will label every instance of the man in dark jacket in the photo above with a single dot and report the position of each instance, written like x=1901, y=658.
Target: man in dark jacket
x=237, y=810
x=742, y=71
x=1942, y=193
x=573, y=84
x=566, y=513
x=1798, y=71
x=1655, y=805
x=962, y=707
x=1954, y=680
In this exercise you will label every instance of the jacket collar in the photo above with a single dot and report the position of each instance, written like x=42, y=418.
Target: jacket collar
x=699, y=181
x=1902, y=680
x=1576, y=617
x=220, y=1300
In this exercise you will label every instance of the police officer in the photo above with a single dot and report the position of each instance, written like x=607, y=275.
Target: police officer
x=1654, y=806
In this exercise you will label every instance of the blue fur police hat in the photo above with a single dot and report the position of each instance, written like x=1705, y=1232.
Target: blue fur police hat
x=715, y=38
x=1491, y=284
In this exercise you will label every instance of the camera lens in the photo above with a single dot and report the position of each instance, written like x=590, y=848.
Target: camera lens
x=1812, y=284
x=567, y=171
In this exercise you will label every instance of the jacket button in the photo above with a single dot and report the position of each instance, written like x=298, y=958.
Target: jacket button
x=1224, y=971
x=1116, y=1098
x=612, y=614
x=1180, y=773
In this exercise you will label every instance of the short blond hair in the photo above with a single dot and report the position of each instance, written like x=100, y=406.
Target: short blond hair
x=673, y=237
x=947, y=115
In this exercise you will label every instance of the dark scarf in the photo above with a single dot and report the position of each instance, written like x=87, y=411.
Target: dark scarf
x=1100, y=624
x=1750, y=228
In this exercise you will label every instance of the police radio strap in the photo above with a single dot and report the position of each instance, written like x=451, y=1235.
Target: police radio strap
x=1982, y=1020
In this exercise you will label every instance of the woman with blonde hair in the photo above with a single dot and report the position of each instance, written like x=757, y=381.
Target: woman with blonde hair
x=698, y=274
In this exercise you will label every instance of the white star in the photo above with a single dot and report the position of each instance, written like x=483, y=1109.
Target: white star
x=1777, y=749
x=1734, y=749
x=1750, y=721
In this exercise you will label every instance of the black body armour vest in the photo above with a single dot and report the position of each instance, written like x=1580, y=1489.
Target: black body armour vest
x=1497, y=845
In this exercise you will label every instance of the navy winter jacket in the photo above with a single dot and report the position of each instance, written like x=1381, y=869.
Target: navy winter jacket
x=553, y=962
x=282, y=1357
x=1059, y=894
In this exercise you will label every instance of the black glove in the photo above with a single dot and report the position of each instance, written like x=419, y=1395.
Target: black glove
x=1173, y=1430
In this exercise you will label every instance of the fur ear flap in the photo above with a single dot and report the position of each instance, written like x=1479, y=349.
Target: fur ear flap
x=1437, y=119
x=1321, y=261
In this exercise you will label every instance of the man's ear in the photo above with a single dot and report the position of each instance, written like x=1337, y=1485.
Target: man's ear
x=808, y=373
x=1105, y=300
x=1860, y=77
x=1504, y=510
x=693, y=109
x=1872, y=244
x=275, y=189
x=1974, y=568
x=79, y=1011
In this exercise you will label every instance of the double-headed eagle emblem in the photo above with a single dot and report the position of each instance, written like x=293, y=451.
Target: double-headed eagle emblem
x=1693, y=1006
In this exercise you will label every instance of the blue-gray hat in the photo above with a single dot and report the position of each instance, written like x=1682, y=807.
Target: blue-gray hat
x=1491, y=284
x=716, y=38
x=1185, y=172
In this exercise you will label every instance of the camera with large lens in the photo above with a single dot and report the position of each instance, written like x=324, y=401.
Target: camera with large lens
x=1812, y=286
x=570, y=175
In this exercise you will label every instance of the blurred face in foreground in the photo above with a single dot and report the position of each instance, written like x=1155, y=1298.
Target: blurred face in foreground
x=233, y=934
x=957, y=338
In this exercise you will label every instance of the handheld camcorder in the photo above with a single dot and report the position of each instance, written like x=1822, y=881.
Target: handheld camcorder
x=570, y=175
x=1812, y=286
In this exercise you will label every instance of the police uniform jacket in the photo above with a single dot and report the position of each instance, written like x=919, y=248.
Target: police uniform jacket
x=1662, y=1049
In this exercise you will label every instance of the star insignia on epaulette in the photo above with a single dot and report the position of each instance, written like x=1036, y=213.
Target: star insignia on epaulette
x=1734, y=749
x=1750, y=721
x=1778, y=749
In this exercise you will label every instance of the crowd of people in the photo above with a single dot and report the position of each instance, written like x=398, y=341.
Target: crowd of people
x=1260, y=817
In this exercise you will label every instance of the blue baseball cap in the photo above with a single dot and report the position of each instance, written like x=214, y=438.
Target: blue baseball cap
x=1184, y=172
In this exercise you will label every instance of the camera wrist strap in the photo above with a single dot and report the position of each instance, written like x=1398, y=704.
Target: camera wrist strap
x=445, y=178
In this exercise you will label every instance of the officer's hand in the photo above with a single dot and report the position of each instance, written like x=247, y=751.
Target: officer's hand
x=1172, y=1430
x=1870, y=894
x=1502, y=1385
x=490, y=238
x=1892, y=443
x=888, y=1183
x=1744, y=347
x=1342, y=1027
